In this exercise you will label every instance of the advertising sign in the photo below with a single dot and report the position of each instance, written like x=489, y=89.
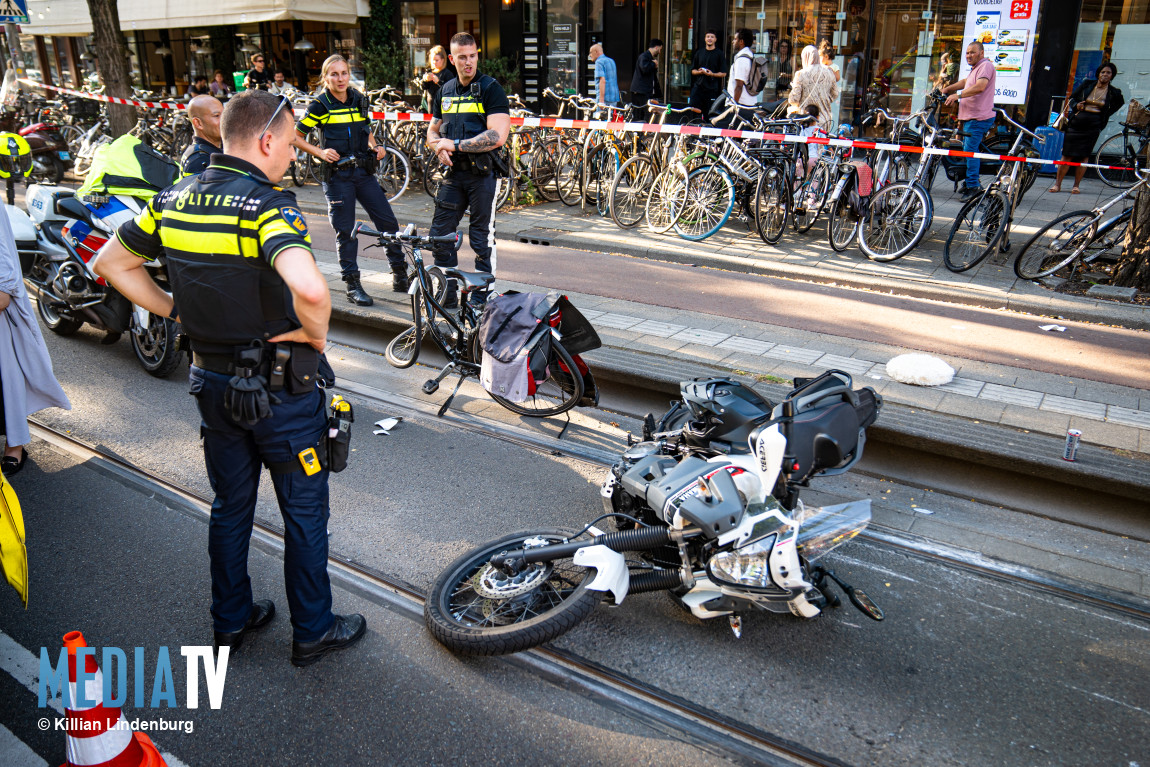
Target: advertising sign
x=1006, y=30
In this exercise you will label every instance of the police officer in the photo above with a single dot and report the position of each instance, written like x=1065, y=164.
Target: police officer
x=471, y=120
x=256, y=309
x=350, y=154
x=204, y=113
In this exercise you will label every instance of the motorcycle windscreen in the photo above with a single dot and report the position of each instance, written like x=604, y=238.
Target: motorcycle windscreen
x=823, y=529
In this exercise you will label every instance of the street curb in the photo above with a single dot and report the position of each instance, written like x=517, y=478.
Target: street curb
x=905, y=426
x=1043, y=303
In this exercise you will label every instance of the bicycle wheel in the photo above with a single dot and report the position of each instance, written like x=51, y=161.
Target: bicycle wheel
x=894, y=222
x=772, y=205
x=709, y=200
x=403, y=350
x=668, y=194
x=393, y=173
x=1121, y=150
x=810, y=198
x=1110, y=236
x=602, y=166
x=433, y=176
x=476, y=609
x=630, y=189
x=842, y=223
x=558, y=393
x=1055, y=245
x=544, y=159
x=569, y=175
x=977, y=231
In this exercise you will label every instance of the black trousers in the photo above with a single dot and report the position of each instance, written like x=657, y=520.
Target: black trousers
x=460, y=193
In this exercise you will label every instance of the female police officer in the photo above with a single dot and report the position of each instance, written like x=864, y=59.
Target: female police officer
x=350, y=153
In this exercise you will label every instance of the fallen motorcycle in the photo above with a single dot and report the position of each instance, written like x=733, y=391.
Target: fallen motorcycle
x=709, y=503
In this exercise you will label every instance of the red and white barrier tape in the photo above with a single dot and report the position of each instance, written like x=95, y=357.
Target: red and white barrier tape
x=637, y=127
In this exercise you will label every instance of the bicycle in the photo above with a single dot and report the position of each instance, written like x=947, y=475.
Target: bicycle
x=1076, y=239
x=457, y=335
x=984, y=222
x=1127, y=149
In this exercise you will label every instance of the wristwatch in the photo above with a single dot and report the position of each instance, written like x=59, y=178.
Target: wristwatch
x=456, y=145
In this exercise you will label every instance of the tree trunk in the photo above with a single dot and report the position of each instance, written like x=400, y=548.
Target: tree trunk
x=1133, y=268
x=112, y=63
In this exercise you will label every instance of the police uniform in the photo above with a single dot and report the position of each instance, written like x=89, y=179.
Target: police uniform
x=197, y=156
x=344, y=127
x=470, y=182
x=221, y=232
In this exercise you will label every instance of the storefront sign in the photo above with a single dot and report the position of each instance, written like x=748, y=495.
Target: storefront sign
x=1006, y=30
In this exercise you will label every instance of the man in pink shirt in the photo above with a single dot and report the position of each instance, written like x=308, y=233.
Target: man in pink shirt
x=975, y=94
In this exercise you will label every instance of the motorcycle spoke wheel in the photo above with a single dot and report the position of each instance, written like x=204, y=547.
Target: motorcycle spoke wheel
x=155, y=346
x=474, y=609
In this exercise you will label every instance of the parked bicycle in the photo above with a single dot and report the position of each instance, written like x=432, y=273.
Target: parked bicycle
x=566, y=376
x=1127, y=149
x=1075, y=239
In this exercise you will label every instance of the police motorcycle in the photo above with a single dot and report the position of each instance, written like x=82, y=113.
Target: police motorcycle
x=705, y=507
x=72, y=226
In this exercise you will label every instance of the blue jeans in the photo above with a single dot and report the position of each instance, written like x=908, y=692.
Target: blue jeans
x=342, y=191
x=975, y=130
x=234, y=455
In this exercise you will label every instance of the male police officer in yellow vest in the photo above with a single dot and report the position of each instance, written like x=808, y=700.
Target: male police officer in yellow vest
x=256, y=308
x=472, y=120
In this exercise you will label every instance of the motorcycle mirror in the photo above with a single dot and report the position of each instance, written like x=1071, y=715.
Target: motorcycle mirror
x=864, y=604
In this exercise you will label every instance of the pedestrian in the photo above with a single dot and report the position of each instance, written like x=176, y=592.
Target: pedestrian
x=811, y=128
x=471, y=120
x=204, y=113
x=1088, y=111
x=786, y=67
x=27, y=383
x=280, y=86
x=199, y=87
x=219, y=88
x=645, y=81
x=708, y=68
x=741, y=66
x=439, y=72
x=606, y=77
x=975, y=94
x=246, y=287
x=814, y=84
x=828, y=60
x=947, y=69
x=343, y=116
x=258, y=76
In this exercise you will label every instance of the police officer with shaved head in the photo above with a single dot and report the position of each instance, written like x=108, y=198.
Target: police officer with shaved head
x=204, y=114
x=256, y=308
x=472, y=118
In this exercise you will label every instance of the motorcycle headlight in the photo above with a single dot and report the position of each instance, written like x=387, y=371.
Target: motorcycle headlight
x=746, y=566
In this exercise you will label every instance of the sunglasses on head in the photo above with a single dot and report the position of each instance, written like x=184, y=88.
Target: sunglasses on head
x=275, y=114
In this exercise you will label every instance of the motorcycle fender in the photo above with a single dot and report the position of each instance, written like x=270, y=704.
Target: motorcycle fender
x=610, y=570
x=140, y=317
x=802, y=608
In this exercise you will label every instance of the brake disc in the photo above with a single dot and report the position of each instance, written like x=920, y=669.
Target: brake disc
x=493, y=584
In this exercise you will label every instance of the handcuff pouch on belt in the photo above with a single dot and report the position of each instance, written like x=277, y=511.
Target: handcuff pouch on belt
x=263, y=370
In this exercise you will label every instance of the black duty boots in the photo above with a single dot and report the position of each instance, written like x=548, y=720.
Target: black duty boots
x=399, y=279
x=355, y=292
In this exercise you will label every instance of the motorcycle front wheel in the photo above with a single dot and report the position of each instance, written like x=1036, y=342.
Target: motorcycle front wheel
x=156, y=346
x=58, y=324
x=474, y=609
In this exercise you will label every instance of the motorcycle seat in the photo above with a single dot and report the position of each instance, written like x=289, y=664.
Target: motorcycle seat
x=471, y=280
x=68, y=205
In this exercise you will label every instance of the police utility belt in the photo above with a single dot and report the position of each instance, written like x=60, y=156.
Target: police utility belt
x=260, y=371
x=365, y=160
x=478, y=164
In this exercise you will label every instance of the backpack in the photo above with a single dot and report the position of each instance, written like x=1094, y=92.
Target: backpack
x=757, y=79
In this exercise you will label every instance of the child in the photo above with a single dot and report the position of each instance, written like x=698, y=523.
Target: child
x=811, y=128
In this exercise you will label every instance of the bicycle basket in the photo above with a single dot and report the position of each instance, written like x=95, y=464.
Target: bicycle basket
x=1137, y=116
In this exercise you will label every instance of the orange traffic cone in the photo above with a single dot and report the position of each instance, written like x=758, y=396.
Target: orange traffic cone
x=94, y=739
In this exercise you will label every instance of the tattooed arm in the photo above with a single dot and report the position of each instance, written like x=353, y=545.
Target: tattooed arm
x=498, y=126
x=443, y=146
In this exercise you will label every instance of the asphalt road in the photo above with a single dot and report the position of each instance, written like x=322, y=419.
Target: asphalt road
x=965, y=669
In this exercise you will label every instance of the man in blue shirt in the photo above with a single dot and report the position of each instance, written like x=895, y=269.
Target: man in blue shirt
x=606, y=77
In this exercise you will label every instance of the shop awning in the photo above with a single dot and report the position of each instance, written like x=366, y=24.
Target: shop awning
x=70, y=17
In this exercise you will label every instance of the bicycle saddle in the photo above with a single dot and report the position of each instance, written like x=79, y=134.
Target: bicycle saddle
x=471, y=280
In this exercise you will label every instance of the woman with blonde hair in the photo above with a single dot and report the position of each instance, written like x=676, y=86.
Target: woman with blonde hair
x=814, y=84
x=350, y=157
x=440, y=72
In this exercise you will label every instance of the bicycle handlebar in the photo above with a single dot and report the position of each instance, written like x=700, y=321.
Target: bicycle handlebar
x=408, y=236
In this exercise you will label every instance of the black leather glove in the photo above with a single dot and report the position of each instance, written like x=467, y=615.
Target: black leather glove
x=248, y=401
